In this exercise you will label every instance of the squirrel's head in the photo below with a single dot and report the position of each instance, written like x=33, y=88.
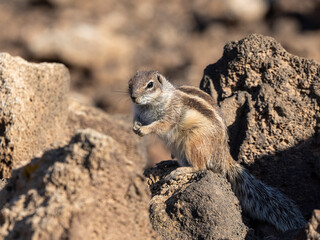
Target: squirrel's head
x=145, y=87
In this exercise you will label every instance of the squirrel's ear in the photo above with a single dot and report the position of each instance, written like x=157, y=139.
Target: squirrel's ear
x=159, y=77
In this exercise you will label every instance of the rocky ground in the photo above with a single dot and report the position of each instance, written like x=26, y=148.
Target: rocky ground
x=71, y=168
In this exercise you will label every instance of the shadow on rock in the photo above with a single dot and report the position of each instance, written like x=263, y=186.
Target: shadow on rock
x=271, y=101
x=80, y=191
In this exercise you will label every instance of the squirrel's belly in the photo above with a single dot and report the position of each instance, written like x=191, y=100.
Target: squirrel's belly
x=180, y=139
x=174, y=142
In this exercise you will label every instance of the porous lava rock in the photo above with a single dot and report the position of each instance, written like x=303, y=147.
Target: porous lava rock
x=33, y=109
x=87, y=189
x=118, y=127
x=270, y=100
x=64, y=182
x=193, y=206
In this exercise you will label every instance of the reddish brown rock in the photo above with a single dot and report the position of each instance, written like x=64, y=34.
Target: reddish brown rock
x=88, y=189
x=271, y=100
x=194, y=206
x=33, y=102
x=118, y=127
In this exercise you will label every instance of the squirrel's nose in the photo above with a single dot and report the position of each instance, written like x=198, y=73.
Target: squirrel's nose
x=133, y=98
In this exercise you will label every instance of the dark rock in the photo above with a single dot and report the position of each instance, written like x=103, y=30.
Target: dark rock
x=271, y=102
x=193, y=206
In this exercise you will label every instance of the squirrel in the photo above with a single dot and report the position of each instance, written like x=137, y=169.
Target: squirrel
x=189, y=121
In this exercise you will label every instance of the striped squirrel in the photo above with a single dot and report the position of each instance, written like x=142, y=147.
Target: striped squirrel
x=190, y=123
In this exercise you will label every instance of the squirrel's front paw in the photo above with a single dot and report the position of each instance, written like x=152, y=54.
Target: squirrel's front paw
x=137, y=128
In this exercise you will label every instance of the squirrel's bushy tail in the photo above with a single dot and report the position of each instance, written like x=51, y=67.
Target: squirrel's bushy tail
x=263, y=202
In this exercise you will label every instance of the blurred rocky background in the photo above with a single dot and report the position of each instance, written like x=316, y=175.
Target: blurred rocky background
x=56, y=177
x=103, y=43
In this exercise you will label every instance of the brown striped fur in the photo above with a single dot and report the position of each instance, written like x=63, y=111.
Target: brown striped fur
x=198, y=106
x=197, y=92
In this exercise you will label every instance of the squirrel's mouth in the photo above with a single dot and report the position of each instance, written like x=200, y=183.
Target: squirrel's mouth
x=136, y=101
x=140, y=102
x=133, y=99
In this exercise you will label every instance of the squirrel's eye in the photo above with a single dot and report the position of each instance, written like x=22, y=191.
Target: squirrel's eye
x=150, y=85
